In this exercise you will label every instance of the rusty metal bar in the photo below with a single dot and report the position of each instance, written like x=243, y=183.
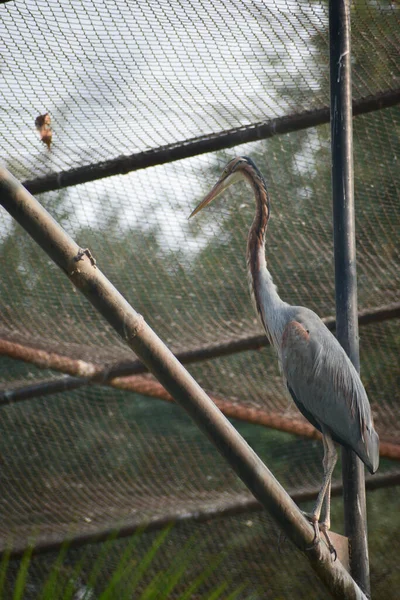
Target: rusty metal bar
x=366, y=316
x=80, y=268
x=204, y=144
x=146, y=386
x=124, y=368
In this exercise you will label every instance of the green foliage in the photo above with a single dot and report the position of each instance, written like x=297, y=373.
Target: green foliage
x=20, y=582
x=3, y=570
x=50, y=586
x=126, y=580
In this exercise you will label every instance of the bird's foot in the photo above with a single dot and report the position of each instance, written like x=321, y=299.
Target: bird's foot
x=324, y=527
x=314, y=522
x=318, y=529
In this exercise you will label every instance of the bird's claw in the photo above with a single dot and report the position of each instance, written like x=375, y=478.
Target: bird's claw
x=314, y=522
x=324, y=529
x=318, y=528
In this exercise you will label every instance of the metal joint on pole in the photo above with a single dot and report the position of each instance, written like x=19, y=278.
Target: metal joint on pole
x=345, y=268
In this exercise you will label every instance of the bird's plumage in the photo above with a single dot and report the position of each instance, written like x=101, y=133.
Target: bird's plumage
x=325, y=385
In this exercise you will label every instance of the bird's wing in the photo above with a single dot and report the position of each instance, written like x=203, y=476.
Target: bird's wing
x=324, y=382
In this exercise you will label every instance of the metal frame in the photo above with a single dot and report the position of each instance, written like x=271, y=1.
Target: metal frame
x=345, y=268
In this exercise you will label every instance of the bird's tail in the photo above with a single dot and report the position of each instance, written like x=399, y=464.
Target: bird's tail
x=369, y=450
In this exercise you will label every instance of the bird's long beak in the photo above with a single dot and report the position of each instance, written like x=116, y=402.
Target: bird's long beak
x=218, y=188
x=221, y=185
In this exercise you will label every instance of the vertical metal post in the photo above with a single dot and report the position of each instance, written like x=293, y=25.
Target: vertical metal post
x=345, y=268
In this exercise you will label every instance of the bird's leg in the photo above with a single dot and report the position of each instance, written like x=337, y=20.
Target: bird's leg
x=327, y=519
x=329, y=462
x=326, y=523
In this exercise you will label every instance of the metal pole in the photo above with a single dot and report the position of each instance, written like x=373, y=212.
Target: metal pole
x=80, y=266
x=345, y=268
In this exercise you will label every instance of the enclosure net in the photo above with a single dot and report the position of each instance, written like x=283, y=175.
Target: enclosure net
x=123, y=79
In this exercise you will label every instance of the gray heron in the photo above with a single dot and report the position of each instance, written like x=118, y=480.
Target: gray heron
x=320, y=377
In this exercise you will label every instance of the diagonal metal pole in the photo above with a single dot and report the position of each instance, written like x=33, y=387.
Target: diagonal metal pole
x=81, y=269
x=345, y=269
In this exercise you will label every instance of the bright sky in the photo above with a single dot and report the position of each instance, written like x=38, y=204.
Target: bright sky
x=119, y=77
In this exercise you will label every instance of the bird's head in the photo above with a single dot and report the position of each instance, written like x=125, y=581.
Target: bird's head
x=238, y=168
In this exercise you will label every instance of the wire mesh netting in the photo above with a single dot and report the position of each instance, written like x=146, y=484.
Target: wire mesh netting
x=122, y=79
x=236, y=552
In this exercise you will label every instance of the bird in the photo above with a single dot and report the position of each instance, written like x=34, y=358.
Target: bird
x=43, y=125
x=319, y=376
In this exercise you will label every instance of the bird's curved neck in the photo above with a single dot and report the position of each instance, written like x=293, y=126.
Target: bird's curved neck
x=269, y=305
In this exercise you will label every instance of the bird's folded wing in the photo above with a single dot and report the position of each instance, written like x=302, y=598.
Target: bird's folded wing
x=324, y=381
